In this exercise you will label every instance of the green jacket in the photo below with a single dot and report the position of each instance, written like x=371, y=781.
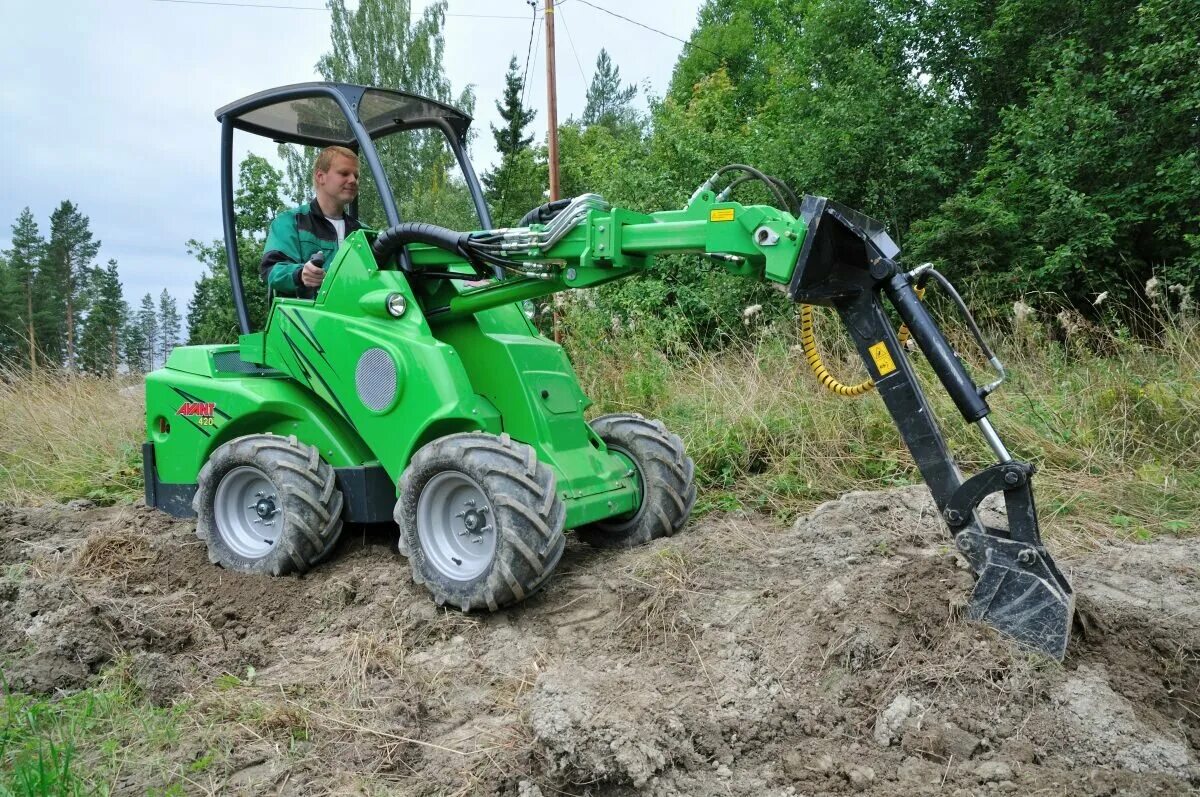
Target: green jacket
x=295, y=236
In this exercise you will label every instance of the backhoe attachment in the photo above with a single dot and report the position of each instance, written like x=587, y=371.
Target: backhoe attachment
x=848, y=262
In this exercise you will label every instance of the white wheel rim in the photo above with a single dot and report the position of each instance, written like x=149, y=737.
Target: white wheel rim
x=456, y=526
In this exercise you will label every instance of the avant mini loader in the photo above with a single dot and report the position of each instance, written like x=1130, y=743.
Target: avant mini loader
x=415, y=388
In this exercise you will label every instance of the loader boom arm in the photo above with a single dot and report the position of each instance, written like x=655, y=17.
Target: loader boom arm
x=825, y=254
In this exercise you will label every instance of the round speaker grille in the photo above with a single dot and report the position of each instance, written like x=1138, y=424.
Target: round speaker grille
x=375, y=379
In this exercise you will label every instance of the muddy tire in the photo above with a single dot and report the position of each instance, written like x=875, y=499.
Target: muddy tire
x=667, y=476
x=480, y=520
x=267, y=504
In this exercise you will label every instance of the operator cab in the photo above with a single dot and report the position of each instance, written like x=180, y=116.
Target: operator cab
x=352, y=116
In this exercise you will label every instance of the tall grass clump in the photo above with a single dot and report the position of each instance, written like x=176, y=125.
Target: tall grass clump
x=1111, y=419
x=68, y=436
x=78, y=744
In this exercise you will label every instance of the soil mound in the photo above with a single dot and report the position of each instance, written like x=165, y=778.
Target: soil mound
x=739, y=657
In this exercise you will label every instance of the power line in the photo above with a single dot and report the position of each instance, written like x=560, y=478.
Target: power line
x=571, y=41
x=529, y=51
x=647, y=27
x=239, y=5
x=309, y=8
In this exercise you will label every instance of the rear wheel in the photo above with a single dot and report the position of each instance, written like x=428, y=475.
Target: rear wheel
x=479, y=520
x=666, y=476
x=267, y=504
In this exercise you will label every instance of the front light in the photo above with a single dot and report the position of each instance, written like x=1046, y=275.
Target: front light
x=396, y=304
x=530, y=309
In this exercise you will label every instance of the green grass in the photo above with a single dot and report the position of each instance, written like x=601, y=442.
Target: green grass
x=83, y=743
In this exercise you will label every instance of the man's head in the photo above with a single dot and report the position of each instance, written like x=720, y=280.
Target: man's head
x=336, y=176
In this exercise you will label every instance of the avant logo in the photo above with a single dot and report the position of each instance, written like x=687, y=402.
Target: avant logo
x=197, y=409
x=201, y=411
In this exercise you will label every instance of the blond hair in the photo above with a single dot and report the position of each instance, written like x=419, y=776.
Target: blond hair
x=325, y=159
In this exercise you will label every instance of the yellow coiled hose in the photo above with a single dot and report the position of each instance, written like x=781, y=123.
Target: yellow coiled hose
x=808, y=342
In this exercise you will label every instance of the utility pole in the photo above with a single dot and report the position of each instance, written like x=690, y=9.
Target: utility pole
x=552, y=101
x=552, y=138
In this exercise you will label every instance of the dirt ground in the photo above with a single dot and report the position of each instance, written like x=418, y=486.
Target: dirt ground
x=741, y=657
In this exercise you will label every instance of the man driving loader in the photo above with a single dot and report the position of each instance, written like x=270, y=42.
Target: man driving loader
x=318, y=226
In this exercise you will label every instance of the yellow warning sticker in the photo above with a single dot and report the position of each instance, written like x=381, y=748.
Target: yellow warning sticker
x=720, y=214
x=882, y=358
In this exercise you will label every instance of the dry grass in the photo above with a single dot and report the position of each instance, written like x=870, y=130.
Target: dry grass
x=68, y=437
x=112, y=554
x=1112, y=422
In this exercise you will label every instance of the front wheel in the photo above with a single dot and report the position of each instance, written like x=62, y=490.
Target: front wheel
x=480, y=520
x=666, y=474
x=267, y=504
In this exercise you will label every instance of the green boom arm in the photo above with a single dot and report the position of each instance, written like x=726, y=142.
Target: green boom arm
x=755, y=241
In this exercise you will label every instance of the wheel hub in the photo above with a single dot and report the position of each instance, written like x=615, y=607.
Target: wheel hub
x=265, y=507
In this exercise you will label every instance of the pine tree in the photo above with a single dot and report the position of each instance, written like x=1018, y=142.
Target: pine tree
x=516, y=184
x=68, y=262
x=168, y=325
x=607, y=103
x=147, y=322
x=511, y=138
x=133, y=342
x=10, y=322
x=24, y=263
x=99, y=342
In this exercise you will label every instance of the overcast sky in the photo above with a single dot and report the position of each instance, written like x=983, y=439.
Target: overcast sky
x=109, y=103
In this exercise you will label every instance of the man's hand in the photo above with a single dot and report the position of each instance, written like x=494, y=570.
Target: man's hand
x=312, y=275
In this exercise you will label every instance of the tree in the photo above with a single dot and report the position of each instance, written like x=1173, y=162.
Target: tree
x=146, y=321
x=11, y=348
x=169, y=324
x=380, y=44
x=607, y=102
x=515, y=185
x=68, y=262
x=133, y=342
x=210, y=313
x=511, y=138
x=100, y=340
x=24, y=262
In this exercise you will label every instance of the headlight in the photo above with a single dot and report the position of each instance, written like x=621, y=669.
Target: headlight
x=396, y=304
x=530, y=308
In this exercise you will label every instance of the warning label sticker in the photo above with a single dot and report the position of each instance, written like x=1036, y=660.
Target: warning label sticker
x=883, y=358
x=720, y=214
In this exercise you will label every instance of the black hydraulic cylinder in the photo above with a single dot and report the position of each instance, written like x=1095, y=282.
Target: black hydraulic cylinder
x=937, y=349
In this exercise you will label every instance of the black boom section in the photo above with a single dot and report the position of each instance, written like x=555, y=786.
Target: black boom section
x=849, y=262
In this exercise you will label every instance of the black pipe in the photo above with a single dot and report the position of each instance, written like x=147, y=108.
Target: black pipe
x=229, y=222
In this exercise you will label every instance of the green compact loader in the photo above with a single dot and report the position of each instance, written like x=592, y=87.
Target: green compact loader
x=414, y=387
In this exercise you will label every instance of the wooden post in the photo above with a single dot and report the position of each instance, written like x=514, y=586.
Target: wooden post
x=552, y=136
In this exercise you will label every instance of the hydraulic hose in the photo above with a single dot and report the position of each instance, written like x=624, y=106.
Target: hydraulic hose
x=808, y=342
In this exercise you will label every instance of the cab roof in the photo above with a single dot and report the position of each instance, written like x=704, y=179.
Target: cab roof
x=310, y=114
